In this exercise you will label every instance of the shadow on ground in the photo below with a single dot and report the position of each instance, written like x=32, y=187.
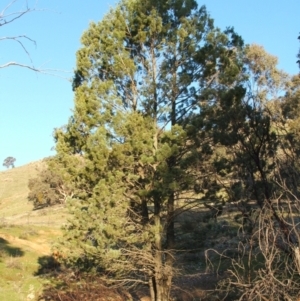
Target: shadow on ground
x=47, y=264
x=7, y=250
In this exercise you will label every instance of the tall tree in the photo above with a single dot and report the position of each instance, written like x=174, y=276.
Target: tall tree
x=142, y=71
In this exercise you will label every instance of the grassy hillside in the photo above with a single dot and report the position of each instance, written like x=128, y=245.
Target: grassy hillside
x=15, y=209
x=14, y=190
x=25, y=234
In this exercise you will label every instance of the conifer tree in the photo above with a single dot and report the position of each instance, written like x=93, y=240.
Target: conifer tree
x=141, y=73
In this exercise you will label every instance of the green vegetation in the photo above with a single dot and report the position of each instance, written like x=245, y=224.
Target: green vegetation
x=172, y=116
x=20, y=250
x=25, y=235
x=181, y=158
x=136, y=88
x=17, y=268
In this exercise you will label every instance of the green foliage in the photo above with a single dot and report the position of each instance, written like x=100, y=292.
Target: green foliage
x=17, y=266
x=142, y=73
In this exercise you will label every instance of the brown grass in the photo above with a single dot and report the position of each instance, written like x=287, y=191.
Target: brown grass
x=15, y=209
x=14, y=190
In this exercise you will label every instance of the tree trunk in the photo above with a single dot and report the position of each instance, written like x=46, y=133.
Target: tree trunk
x=152, y=288
x=160, y=282
x=158, y=264
x=170, y=223
x=170, y=220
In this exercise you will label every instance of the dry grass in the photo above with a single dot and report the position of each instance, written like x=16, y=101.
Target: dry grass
x=14, y=190
x=15, y=209
x=14, y=263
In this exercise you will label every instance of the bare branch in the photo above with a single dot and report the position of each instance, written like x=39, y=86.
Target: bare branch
x=51, y=72
x=11, y=17
x=17, y=40
x=8, y=16
x=19, y=65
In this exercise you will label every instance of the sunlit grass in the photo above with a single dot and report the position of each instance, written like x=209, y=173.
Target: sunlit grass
x=17, y=268
x=25, y=235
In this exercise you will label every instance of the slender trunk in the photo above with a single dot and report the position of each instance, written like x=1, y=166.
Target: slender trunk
x=168, y=272
x=171, y=164
x=170, y=239
x=170, y=235
x=160, y=281
x=170, y=223
x=158, y=269
x=171, y=197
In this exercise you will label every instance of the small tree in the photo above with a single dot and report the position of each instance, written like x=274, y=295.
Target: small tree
x=9, y=161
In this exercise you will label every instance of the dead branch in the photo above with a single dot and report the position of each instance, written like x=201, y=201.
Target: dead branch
x=6, y=17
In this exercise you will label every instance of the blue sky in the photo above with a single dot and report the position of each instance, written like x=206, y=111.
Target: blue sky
x=32, y=104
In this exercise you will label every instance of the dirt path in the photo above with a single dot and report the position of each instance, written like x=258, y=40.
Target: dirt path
x=42, y=248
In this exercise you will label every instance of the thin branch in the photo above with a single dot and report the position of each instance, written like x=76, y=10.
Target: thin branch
x=35, y=69
x=9, y=17
x=16, y=15
x=17, y=40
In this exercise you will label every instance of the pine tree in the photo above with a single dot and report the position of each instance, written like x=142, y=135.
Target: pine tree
x=142, y=72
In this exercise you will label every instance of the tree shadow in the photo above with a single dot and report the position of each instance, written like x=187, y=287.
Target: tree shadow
x=47, y=265
x=7, y=250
